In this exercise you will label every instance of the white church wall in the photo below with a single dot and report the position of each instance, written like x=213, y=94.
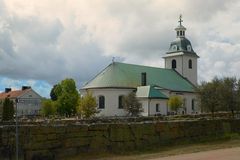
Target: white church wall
x=149, y=106
x=162, y=106
x=111, y=100
x=144, y=102
x=182, y=66
x=188, y=98
x=179, y=59
x=190, y=73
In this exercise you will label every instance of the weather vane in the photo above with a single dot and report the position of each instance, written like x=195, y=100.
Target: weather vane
x=180, y=19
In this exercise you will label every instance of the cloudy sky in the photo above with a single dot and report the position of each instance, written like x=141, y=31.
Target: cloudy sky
x=43, y=42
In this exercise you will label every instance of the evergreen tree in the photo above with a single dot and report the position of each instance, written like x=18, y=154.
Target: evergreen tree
x=8, y=110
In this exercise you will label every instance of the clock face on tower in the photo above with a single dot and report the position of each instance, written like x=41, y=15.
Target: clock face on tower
x=189, y=48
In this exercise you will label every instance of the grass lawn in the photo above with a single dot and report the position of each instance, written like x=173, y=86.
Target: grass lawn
x=229, y=142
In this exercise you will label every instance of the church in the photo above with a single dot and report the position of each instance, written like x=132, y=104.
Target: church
x=153, y=86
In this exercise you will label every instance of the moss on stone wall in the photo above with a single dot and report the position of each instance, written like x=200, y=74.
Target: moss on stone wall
x=57, y=142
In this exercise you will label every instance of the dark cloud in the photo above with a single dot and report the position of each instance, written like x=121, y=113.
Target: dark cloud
x=34, y=48
x=79, y=40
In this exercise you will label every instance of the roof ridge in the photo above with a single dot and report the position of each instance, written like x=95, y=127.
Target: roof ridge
x=143, y=65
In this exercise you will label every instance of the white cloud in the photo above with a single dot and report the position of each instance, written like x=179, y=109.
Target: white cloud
x=51, y=40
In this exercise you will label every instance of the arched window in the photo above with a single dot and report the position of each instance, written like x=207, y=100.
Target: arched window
x=190, y=63
x=180, y=33
x=174, y=64
x=101, y=102
x=177, y=33
x=120, y=102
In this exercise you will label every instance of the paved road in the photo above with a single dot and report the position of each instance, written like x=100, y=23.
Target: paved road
x=221, y=154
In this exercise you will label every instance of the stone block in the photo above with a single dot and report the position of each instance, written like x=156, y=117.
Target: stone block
x=51, y=136
x=98, y=144
x=120, y=132
x=98, y=127
x=76, y=142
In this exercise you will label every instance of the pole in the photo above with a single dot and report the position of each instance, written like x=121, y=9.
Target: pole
x=16, y=129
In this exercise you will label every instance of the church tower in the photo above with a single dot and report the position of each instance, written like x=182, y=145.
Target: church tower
x=181, y=56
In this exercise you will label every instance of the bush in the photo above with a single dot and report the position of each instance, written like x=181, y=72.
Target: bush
x=48, y=108
x=87, y=106
x=175, y=103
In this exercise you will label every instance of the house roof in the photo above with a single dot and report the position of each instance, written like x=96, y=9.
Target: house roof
x=150, y=92
x=13, y=94
x=122, y=75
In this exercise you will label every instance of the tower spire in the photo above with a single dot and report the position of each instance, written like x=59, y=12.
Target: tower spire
x=180, y=30
x=180, y=19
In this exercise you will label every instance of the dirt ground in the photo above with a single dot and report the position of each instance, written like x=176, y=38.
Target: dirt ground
x=227, y=149
x=220, y=154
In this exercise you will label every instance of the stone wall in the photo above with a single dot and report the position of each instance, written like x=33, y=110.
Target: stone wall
x=59, y=141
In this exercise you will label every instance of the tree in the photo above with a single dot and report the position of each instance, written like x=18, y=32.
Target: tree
x=87, y=106
x=209, y=96
x=56, y=91
x=228, y=94
x=48, y=108
x=132, y=105
x=8, y=110
x=238, y=95
x=53, y=94
x=67, y=97
x=175, y=103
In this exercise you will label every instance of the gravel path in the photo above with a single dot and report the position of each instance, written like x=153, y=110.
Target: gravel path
x=221, y=154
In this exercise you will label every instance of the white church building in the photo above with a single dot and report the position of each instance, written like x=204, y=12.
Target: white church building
x=153, y=86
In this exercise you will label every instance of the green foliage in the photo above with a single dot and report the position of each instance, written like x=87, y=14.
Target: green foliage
x=175, y=103
x=209, y=96
x=53, y=93
x=220, y=95
x=228, y=96
x=67, y=97
x=87, y=106
x=48, y=108
x=8, y=110
x=238, y=96
x=132, y=105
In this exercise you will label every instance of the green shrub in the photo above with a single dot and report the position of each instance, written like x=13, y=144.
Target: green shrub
x=8, y=110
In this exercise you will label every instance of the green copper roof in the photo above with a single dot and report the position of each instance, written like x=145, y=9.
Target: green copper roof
x=181, y=44
x=124, y=75
x=149, y=92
